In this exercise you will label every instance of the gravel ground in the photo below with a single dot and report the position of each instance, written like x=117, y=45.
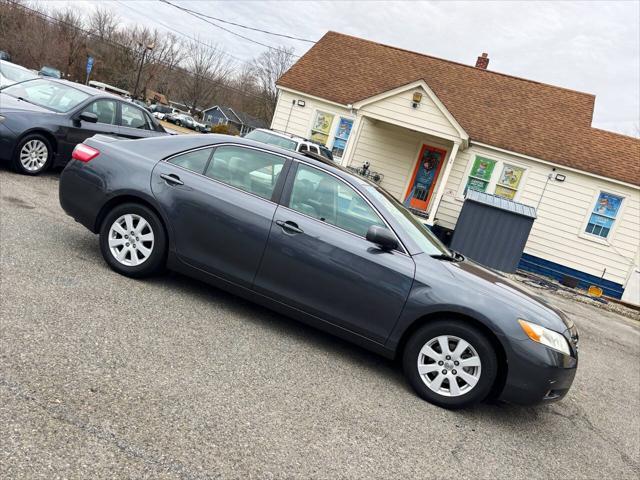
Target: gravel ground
x=106, y=377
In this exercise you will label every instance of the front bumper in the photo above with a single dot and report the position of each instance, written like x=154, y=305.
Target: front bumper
x=8, y=141
x=537, y=373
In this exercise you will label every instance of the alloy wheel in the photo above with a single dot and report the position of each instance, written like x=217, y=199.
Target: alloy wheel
x=131, y=240
x=34, y=155
x=449, y=365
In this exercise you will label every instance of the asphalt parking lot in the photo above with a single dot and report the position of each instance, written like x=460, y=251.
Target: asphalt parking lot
x=106, y=377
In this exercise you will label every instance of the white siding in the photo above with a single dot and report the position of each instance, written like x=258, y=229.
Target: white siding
x=398, y=109
x=558, y=232
x=392, y=151
x=297, y=120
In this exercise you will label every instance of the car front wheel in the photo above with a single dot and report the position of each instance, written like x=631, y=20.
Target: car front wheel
x=33, y=155
x=133, y=241
x=450, y=364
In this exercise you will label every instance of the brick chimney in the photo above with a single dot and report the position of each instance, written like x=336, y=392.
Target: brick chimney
x=483, y=61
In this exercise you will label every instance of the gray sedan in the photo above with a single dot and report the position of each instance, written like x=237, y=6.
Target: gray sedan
x=328, y=248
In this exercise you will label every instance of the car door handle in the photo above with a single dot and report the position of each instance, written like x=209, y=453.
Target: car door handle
x=289, y=226
x=171, y=179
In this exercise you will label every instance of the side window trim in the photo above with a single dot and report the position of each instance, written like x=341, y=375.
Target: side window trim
x=288, y=189
x=277, y=189
x=119, y=114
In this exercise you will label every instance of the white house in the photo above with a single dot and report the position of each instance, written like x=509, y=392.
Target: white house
x=435, y=128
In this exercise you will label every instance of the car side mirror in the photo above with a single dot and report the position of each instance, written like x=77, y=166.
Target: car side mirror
x=89, y=117
x=382, y=237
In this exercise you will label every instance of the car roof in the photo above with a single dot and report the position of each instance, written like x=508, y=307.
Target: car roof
x=291, y=136
x=166, y=146
x=78, y=86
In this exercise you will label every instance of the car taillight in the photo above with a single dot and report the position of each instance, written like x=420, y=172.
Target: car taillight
x=84, y=153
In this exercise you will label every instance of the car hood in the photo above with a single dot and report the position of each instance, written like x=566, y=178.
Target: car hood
x=13, y=104
x=489, y=282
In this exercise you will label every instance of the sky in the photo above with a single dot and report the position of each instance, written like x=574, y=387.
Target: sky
x=592, y=47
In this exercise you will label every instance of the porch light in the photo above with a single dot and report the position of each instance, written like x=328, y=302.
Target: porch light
x=301, y=103
x=417, y=98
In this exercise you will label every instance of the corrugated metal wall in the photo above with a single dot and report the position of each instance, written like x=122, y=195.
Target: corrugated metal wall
x=492, y=236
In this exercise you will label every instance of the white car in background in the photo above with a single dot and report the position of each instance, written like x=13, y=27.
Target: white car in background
x=11, y=73
x=289, y=141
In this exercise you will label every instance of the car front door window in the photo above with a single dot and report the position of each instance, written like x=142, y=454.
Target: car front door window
x=324, y=197
x=105, y=110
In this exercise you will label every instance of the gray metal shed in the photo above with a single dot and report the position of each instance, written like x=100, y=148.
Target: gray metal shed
x=493, y=230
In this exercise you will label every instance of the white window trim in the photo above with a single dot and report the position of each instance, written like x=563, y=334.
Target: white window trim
x=597, y=238
x=495, y=175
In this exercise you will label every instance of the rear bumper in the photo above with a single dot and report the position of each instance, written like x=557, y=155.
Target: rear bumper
x=537, y=374
x=81, y=194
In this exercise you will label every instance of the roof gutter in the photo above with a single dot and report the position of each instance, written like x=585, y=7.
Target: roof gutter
x=552, y=164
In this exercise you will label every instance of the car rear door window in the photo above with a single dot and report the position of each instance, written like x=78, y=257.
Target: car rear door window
x=320, y=195
x=196, y=160
x=133, y=117
x=104, y=109
x=250, y=170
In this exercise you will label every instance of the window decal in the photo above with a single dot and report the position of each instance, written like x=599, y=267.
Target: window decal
x=321, y=127
x=509, y=181
x=480, y=174
x=604, y=214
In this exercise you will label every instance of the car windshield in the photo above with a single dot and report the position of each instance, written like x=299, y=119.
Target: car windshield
x=15, y=73
x=413, y=227
x=45, y=93
x=277, y=140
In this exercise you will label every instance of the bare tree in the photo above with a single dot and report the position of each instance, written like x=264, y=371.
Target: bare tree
x=104, y=23
x=209, y=67
x=268, y=68
x=71, y=43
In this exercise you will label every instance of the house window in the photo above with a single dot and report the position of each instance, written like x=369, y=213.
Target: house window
x=509, y=180
x=604, y=214
x=341, y=137
x=321, y=127
x=480, y=174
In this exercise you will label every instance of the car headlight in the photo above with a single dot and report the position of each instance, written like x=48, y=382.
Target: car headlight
x=545, y=336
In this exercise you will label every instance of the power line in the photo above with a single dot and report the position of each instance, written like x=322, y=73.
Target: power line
x=173, y=30
x=243, y=26
x=126, y=47
x=197, y=15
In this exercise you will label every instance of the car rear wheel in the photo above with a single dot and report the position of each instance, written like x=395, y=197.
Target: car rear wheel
x=133, y=241
x=33, y=155
x=450, y=364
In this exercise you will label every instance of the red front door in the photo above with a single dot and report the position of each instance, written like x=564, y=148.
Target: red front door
x=424, y=177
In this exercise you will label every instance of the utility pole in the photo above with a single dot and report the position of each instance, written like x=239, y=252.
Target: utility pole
x=144, y=53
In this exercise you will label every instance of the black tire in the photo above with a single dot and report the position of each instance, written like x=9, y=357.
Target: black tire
x=455, y=328
x=154, y=262
x=32, y=139
x=178, y=123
